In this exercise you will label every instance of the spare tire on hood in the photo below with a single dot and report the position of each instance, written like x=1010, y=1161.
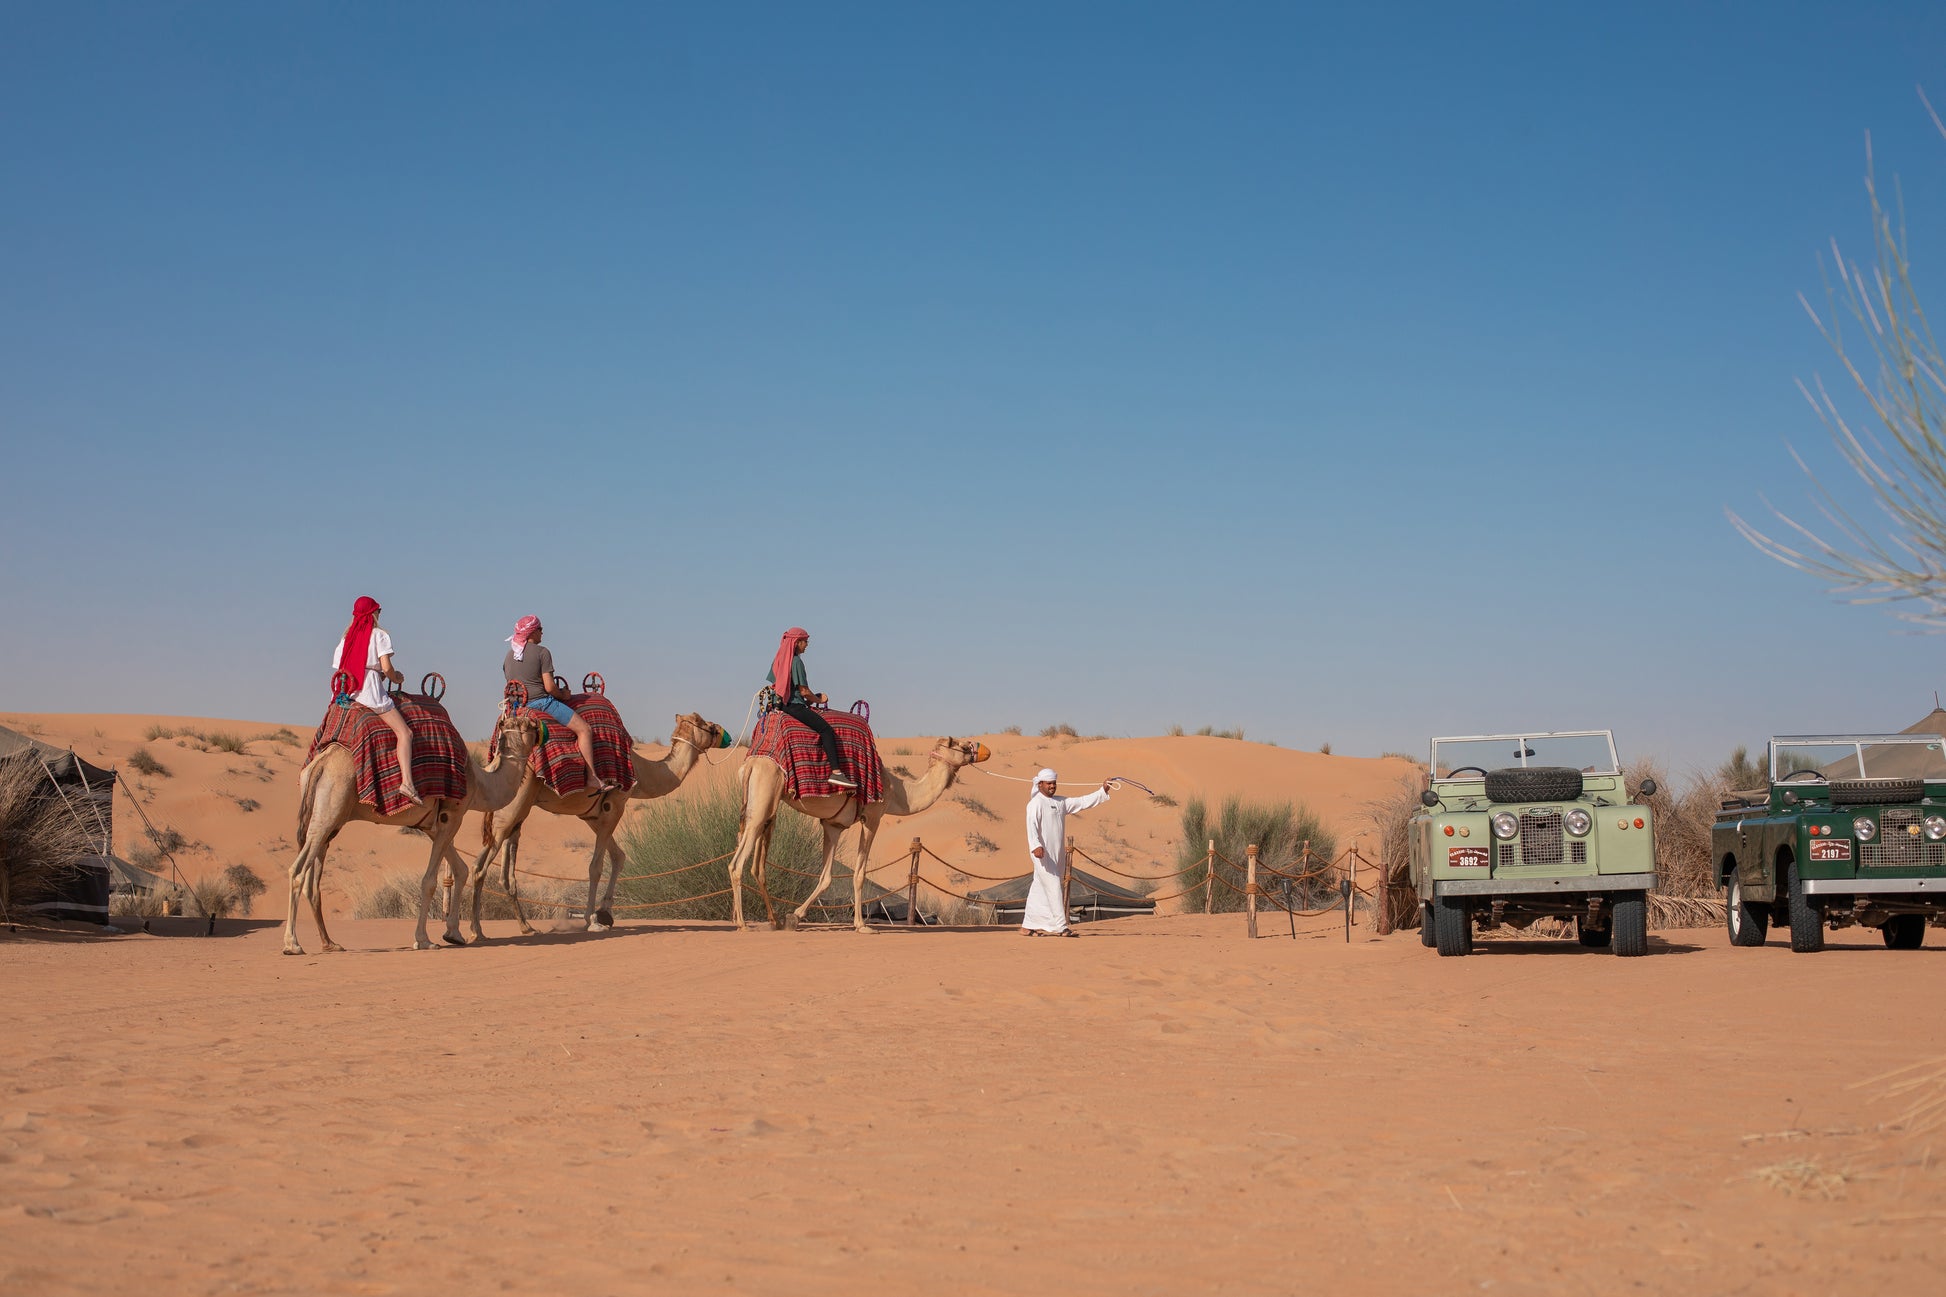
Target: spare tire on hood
x=1534, y=784
x=1876, y=792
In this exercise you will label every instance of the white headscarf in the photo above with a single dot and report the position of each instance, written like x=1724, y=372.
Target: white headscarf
x=1044, y=777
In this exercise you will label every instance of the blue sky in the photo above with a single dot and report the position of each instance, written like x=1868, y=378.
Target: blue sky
x=1350, y=375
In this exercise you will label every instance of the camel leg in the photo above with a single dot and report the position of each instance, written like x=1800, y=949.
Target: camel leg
x=747, y=843
x=831, y=834
x=480, y=876
x=314, y=891
x=510, y=876
x=606, y=914
x=455, y=891
x=867, y=830
x=434, y=859
x=590, y=921
x=298, y=868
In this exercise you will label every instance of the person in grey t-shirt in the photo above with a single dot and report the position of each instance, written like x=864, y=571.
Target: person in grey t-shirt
x=529, y=664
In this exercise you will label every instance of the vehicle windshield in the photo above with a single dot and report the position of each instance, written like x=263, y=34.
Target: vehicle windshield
x=1590, y=752
x=1917, y=756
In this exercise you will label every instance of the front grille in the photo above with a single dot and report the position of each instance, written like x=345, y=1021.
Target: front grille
x=1577, y=853
x=1540, y=838
x=1503, y=855
x=1898, y=847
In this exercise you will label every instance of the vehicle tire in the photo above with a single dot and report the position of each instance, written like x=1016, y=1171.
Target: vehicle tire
x=1904, y=932
x=1452, y=924
x=1876, y=792
x=1426, y=937
x=1534, y=784
x=1597, y=938
x=1807, y=915
x=1629, y=928
x=1749, y=924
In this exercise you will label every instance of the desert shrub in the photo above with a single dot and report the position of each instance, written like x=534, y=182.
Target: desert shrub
x=1163, y=799
x=1740, y=773
x=244, y=885
x=395, y=895
x=1400, y=756
x=977, y=806
x=248, y=804
x=157, y=732
x=677, y=839
x=143, y=762
x=39, y=837
x=1391, y=816
x=224, y=741
x=211, y=896
x=1174, y=731
x=283, y=734
x=142, y=903
x=1683, y=818
x=1211, y=732
x=981, y=842
x=1325, y=749
x=903, y=772
x=1280, y=831
x=1060, y=731
x=1011, y=729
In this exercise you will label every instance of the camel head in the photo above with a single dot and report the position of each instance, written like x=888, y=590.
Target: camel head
x=515, y=734
x=960, y=752
x=698, y=733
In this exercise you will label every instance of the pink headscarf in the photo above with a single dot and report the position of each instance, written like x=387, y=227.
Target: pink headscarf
x=523, y=631
x=780, y=666
x=358, y=641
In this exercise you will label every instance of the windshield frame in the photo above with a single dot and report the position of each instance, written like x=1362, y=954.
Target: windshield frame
x=1858, y=744
x=1432, y=765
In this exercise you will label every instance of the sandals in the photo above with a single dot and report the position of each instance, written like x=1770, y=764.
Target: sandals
x=412, y=795
x=1036, y=932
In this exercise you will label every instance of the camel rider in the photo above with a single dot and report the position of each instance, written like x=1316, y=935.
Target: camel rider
x=795, y=699
x=531, y=666
x=365, y=654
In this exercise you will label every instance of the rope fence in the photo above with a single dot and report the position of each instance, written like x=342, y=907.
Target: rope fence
x=1264, y=885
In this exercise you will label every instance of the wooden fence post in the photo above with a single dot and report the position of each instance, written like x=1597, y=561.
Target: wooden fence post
x=912, y=887
x=1351, y=902
x=1250, y=886
x=1067, y=881
x=1209, y=875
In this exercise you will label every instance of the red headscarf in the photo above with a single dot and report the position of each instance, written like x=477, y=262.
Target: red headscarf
x=358, y=641
x=780, y=666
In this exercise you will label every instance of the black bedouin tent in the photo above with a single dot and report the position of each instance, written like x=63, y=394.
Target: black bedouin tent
x=1089, y=899
x=87, y=792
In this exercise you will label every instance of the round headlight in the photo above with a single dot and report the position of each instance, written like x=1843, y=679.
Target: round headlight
x=1505, y=825
x=1936, y=827
x=1864, y=828
x=1578, y=822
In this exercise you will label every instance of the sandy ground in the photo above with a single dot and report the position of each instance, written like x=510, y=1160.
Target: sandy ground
x=1160, y=1107
x=241, y=807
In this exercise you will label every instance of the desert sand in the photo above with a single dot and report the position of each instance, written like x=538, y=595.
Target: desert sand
x=1163, y=1106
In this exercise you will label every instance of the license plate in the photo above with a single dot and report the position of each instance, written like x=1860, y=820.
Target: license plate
x=1466, y=857
x=1832, y=849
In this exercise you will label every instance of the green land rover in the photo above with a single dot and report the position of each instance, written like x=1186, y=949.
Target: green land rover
x=1523, y=826
x=1850, y=830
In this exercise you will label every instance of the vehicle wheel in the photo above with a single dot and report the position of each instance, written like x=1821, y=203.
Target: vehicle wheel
x=1807, y=916
x=1534, y=784
x=1904, y=931
x=1452, y=924
x=1596, y=937
x=1630, y=926
x=1426, y=937
x=1748, y=923
x=1876, y=792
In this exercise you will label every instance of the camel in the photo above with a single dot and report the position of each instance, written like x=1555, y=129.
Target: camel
x=763, y=792
x=327, y=800
x=691, y=737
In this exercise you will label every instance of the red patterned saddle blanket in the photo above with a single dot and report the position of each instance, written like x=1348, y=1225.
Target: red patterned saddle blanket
x=794, y=746
x=438, y=752
x=558, y=761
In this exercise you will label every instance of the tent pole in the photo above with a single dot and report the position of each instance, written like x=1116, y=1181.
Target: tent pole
x=156, y=838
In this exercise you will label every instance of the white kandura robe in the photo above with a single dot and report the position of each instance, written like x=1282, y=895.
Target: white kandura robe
x=1047, y=829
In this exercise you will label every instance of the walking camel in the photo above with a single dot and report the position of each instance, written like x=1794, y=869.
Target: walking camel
x=327, y=800
x=692, y=737
x=763, y=792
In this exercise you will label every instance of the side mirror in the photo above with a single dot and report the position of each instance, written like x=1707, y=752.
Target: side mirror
x=1647, y=788
x=1429, y=798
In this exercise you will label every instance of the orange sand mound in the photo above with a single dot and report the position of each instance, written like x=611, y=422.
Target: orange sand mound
x=1159, y=1107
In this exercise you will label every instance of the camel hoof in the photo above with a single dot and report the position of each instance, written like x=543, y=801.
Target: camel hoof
x=598, y=927
x=605, y=919
x=293, y=950
x=332, y=947
x=862, y=927
x=420, y=943
x=791, y=921
x=527, y=930
x=453, y=939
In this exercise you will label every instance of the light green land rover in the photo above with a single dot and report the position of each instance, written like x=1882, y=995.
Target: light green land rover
x=1523, y=826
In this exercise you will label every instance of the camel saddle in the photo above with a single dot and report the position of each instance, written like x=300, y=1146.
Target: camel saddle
x=558, y=761
x=439, y=766
x=794, y=746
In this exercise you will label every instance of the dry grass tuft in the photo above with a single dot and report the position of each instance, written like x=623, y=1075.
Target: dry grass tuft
x=1803, y=1177
x=283, y=734
x=1011, y=729
x=981, y=842
x=1061, y=731
x=1391, y=816
x=224, y=741
x=158, y=732
x=144, y=762
x=977, y=806
x=395, y=895
x=1922, y=1085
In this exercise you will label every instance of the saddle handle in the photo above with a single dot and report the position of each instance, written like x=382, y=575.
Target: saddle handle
x=341, y=688
x=513, y=698
x=592, y=683
x=433, y=685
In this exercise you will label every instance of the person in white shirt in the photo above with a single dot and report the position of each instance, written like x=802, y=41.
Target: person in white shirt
x=1046, y=913
x=365, y=654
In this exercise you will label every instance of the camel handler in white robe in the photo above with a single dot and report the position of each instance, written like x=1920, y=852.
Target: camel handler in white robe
x=1046, y=914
